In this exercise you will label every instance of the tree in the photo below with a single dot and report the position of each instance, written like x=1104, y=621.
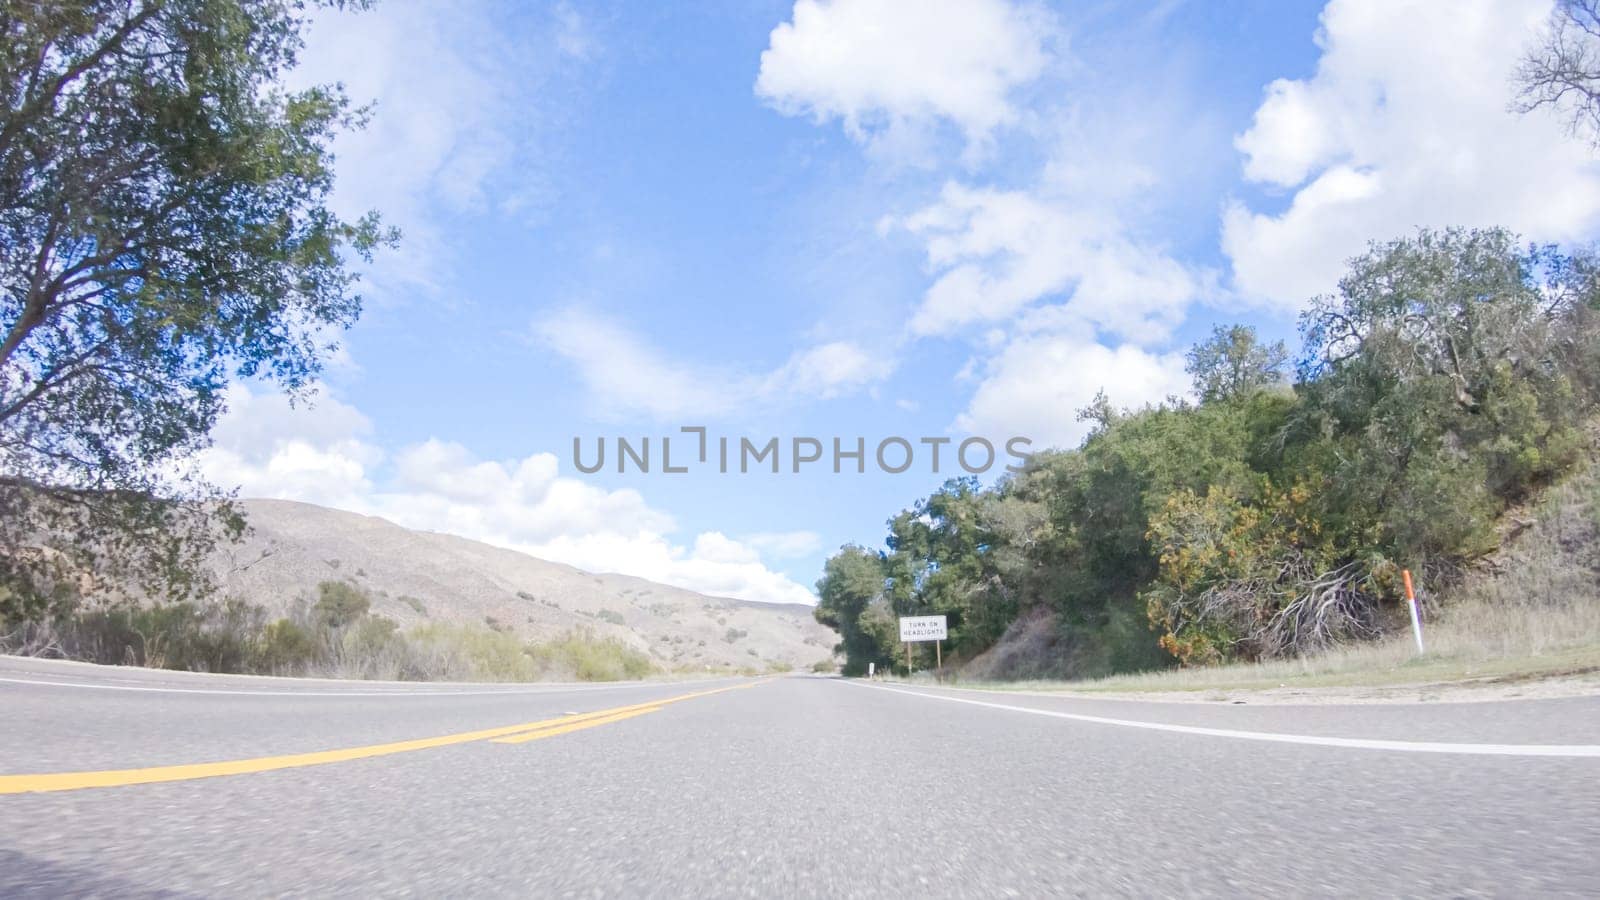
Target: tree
x=1562, y=70
x=1232, y=362
x=1450, y=374
x=1456, y=343
x=164, y=227
x=852, y=579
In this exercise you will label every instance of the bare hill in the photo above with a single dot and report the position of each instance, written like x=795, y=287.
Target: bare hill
x=415, y=577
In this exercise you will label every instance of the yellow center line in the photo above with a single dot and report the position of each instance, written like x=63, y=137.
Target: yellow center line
x=575, y=726
x=72, y=781
x=647, y=706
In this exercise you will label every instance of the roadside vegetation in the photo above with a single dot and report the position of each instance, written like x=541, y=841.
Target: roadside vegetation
x=333, y=634
x=1452, y=377
x=1529, y=610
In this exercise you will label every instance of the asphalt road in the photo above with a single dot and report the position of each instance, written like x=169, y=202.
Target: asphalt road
x=125, y=783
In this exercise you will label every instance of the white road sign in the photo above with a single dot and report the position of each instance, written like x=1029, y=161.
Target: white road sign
x=922, y=628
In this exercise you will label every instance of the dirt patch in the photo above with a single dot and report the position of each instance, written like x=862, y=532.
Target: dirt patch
x=1032, y=648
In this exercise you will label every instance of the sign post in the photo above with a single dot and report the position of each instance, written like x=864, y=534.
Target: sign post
x=923, y=628
x=1411, y=601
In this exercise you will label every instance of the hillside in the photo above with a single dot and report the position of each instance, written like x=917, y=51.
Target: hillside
x=418, y=577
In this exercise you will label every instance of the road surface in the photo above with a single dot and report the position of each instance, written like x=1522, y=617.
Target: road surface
x=127, y=783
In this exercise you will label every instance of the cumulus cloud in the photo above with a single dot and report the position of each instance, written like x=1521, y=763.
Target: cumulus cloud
x=627, y=376
x=1054, y=283
x=890, y=68
x=1405, y=124
x=266, y=448
x=324, y=454
x=1036, y=384
x=997, y=253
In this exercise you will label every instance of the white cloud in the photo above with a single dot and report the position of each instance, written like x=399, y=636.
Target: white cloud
x=268, y=449
x=1404, y=125
x=1035, y=386
x=456, y=117
x=785, y=544
x=891, y=68
x=825, y=371
x=627, y=376
x=323, y=455
x=1000, y=252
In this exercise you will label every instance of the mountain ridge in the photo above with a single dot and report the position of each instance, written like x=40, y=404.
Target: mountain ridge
x=420, y=577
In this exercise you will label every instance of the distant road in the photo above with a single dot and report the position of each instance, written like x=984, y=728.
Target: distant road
x=131, y=783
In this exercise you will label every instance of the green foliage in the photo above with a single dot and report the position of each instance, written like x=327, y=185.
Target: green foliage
x=164, y=227
x=339, y=604
x=1451, y=375
x=612, y=616
x=851, y=579
x=287, y=648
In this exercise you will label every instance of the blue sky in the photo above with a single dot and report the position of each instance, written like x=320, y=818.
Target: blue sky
x=855, y=217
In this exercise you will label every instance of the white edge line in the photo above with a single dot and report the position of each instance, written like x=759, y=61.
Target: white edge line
x=153, y=689
x=1558, y=750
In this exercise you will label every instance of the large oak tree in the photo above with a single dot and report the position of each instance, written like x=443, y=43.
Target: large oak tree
x=164, y=228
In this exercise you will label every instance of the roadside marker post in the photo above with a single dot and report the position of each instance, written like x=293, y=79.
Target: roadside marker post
x=1411, y=601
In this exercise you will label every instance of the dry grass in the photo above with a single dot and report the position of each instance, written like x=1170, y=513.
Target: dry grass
x=1473, y=641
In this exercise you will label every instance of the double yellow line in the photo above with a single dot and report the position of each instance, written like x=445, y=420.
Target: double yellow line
x=509, y=734
x=580, y=721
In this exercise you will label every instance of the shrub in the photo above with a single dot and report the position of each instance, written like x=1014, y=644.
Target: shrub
x=372, y=647
x=338, y=604
x=588, y=658
x=465, y=653
x=218, y=637
x=286, y=649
